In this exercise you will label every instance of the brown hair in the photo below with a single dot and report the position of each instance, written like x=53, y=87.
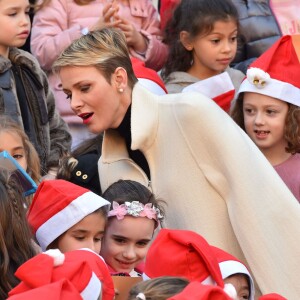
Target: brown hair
x=128, y=191
x=16, y=244
x=292, y=123
x=160, y=288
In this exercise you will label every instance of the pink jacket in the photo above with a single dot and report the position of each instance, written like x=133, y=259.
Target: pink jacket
x=60, y=22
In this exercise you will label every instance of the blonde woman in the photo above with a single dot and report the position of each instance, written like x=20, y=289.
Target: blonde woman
x=191, y=153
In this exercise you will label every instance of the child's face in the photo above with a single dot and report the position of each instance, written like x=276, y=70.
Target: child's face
x=14, y=24
x=87, y=233
x=240, y=282
x=13, y=144
x=264, y=119
x=213, y=53
x=126, y=242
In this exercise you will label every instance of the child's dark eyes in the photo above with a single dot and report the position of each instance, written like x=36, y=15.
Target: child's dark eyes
x=216, y=41
x=17, y=156
x=79, y=238
x=120, y=240
x=142, y=243
x=248, y=110
x=271, y=112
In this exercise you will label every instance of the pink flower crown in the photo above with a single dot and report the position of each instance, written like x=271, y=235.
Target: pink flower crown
x=135, y=209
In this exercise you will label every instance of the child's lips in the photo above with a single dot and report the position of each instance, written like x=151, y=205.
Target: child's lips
x=126, y=263
x=261, y=134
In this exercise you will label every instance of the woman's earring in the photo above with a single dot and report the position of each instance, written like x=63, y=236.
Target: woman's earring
x=120, y=90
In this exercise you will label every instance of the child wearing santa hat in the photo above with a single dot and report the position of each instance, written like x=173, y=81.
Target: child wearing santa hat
x=132, y=221
x=235, y=272
x=185, y=254
x=78, y=274
x=268, y=108
x=67, y=216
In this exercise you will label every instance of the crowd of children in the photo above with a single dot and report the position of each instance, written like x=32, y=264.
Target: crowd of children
x=164, y=190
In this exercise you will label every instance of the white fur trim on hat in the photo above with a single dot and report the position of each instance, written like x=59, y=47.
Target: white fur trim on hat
x=231, y=267
x=230, y=290
x=273, y=88
x=152, y=86
x=68, y=217
x=57, y=255
x=213, y=86
x=93, y=289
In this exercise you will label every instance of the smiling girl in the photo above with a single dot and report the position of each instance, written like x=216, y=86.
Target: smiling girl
x=268, y=109
x=131, y=224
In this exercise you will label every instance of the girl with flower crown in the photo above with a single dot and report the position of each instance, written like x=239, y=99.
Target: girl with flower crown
x=268, y=108
x=132, y=220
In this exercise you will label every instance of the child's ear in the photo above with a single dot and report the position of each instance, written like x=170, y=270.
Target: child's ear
x=186, y=41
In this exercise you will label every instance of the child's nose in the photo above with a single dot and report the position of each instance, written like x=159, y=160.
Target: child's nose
x=259, y=119
x=129, y=252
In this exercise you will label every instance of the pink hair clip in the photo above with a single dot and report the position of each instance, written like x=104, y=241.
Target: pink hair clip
x=135, y=209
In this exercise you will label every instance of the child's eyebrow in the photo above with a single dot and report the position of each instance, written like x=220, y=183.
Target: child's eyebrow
x=119, y=236
x=85, y=231
x=145, y=240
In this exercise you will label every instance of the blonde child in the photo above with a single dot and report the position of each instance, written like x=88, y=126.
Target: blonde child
x=15, y=141
x=16, y=244
x=57, y=23
x=268, y=108
x=68, y=217
x=202, y=37
x=132, y=221
x=25, y=92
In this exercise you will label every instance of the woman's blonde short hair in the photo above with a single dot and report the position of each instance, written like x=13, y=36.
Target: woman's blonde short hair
x=105, y=49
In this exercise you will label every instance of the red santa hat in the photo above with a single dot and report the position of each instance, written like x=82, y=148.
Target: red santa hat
x=186, y=254
x=276, y=72
x=148, y=77
x=196, y=290
x=60, y=290
x=230, y=265
x=82, y=269
x=219, y=88
x=57, y=206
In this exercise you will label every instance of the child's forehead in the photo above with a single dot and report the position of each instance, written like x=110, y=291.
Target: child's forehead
x=14, y=3
x=131, y=226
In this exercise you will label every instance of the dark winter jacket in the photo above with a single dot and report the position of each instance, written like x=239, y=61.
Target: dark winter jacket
x=258, y=31
x=49, y=132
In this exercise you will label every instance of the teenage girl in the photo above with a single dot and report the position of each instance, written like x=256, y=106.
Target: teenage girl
x=268, y=109
x=132, y=221
x=15, y=141
x=202, y=38
x=16, y=245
